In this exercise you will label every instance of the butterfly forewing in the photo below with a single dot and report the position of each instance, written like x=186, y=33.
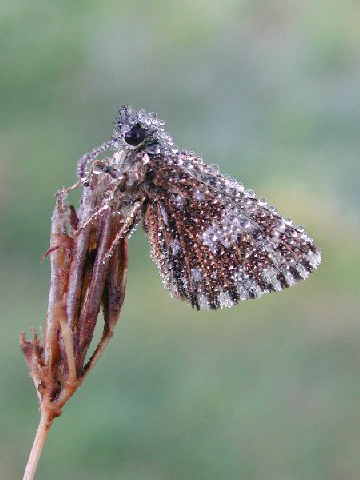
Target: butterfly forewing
x=214, y=242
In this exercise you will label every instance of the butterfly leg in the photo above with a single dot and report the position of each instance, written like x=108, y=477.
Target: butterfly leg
x=130, y=220
x=106, y=203
x=90, y=156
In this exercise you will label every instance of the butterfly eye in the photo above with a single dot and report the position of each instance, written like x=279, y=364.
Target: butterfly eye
x=135, y=135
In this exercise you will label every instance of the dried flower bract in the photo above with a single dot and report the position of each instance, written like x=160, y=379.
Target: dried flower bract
x=84, y=279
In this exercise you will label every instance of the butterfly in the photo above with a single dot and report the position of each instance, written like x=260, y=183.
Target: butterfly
x=214, y=242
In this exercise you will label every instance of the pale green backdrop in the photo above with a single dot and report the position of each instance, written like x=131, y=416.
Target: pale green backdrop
x=270, y=91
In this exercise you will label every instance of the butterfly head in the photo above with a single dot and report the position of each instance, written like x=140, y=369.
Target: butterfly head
x=139, y=130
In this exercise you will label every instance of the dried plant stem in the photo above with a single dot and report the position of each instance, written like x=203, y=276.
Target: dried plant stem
x=105, y=339
x=88, y=271
x=39, y=441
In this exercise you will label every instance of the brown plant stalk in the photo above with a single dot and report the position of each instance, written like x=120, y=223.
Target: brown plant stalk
x=88, y=256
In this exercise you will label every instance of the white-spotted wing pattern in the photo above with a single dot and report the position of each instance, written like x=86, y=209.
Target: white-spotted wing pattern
x=214, y=242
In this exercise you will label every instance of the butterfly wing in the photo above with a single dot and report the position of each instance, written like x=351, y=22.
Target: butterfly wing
x=214, y=242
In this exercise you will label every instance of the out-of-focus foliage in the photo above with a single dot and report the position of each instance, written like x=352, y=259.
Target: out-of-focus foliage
x=269, y=390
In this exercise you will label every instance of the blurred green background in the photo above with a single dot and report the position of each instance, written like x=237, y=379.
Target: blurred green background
x=270, y=91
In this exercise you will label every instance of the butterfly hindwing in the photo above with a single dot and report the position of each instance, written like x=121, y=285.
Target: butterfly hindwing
x=214, y=242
